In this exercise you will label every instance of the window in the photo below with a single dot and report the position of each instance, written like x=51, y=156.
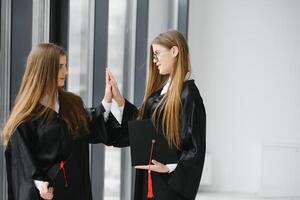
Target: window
x=115, y=61
x=80, y=50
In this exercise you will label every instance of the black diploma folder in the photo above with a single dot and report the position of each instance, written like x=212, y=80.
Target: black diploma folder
x=141, y=135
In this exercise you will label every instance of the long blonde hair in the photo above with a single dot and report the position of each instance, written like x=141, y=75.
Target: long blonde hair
x=170, y=105
x=40, y=79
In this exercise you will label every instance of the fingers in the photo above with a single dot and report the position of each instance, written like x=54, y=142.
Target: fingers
x=107, y=77
x=111, y=77
x=142, y=167
x=45, y=192
x=44, y=187
x=155, y=162
x=156, y=167
x=49, y=195
x=116, y=94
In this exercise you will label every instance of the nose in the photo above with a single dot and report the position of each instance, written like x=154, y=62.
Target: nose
x=66, y=70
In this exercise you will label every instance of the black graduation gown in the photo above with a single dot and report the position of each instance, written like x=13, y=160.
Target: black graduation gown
x=183, y=183
x=36, y=148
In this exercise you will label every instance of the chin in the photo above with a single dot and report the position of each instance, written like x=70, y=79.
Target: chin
x=163, y=73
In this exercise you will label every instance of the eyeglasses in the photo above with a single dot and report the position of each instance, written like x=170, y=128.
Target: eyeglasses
x=156, y=55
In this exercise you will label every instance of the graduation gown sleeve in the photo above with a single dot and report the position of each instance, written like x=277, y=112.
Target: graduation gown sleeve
x=105, y=132
x=186, y=177
x=98, y=131
x=129, y=113
x=21, y=165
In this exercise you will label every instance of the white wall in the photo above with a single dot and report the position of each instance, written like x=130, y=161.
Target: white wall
x=246, y=61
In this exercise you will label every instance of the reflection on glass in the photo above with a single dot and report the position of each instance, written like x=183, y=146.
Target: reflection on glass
x=116, y=34
x=78, y=49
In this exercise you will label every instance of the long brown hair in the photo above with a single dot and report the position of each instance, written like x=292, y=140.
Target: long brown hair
x=40, y=79
x=170, y=105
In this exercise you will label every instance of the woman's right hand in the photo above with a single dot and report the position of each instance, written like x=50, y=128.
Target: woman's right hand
x=108, y=88
x=45, y=191
x=116, y=94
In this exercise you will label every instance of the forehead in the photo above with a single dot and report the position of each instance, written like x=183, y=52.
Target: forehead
x=158, y=47
x=62, y=59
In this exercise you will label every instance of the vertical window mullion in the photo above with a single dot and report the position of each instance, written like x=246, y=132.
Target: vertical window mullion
x=5, y=46
x=99, y=65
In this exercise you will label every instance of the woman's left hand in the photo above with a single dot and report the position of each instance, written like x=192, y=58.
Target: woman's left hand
x=156, y=167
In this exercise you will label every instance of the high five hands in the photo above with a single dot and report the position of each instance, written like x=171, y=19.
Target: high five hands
x=111, y=89
x=112, y=92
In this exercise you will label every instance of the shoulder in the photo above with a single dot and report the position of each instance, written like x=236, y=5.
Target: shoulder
x=24, y=131
x=190, y=91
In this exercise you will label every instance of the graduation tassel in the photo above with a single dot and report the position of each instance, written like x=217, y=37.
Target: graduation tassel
x=150, y=188
x=62, y=167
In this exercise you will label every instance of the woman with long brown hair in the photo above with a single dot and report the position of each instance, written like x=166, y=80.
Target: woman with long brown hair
x=48, y=131
x=173, y=103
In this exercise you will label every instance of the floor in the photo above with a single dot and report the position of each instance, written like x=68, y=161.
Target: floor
x=234, y=196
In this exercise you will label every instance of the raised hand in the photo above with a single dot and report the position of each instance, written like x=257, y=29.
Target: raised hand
x=116, y=94
x=45, y=192
x=108, y=88
x=156, y=167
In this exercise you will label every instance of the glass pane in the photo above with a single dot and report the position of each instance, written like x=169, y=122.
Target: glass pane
x=162, y=16
x=115, y=61
x=0, y=25
x=78, y=58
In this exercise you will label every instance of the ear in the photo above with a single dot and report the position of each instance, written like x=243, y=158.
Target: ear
x=174, y=51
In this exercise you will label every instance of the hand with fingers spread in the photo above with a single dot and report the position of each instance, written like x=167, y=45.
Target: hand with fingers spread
x=45, y=191
x=108, y=88
x=156, y=167
x=116, y=94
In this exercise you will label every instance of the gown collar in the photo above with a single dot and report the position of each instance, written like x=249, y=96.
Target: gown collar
x=44, y=100
x=167, y=85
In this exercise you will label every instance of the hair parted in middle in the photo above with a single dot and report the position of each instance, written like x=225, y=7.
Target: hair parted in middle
x=170, y=105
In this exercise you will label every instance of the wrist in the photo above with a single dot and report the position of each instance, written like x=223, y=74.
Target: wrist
x=121, y=102
x=107, y=100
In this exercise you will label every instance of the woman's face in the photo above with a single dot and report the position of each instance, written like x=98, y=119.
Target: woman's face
x=164, y=58
x=63, y=71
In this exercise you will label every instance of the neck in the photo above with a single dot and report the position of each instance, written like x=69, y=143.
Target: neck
x=54, y=106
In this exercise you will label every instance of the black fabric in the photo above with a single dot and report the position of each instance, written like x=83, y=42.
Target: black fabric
x=183, y=183
x=37, y=145
x=142, y=134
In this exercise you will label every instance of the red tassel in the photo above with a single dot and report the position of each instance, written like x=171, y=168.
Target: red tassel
x=150, y=194
x=62, y=167
x=150, y=189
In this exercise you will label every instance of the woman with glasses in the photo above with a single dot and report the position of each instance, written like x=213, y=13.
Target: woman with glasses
x=48, y=132
x=173, y=102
